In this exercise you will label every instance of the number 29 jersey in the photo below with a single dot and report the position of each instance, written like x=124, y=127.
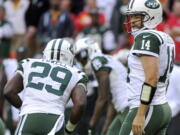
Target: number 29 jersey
x=47, y=85
x=152, y=43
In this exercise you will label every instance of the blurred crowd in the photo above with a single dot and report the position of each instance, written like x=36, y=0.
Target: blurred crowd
x=27, y=25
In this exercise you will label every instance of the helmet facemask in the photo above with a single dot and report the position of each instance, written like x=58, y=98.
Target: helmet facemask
x=138, y=23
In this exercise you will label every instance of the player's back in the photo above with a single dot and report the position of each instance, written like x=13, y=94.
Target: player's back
x=47, y=85
x=117, y=70
x=117, y=78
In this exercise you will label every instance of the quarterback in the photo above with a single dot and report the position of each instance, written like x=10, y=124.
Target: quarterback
x=48, y=84
x=150, y=63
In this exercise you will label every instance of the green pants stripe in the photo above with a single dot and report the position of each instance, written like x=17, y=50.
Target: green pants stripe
x=37, y=124
x=156, y=122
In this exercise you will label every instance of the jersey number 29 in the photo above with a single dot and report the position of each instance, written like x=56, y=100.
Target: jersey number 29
x=48, y=71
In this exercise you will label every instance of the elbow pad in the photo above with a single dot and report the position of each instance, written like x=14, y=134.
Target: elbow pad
x=147, y=93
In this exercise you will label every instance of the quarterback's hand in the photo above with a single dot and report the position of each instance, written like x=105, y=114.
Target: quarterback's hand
x=138, y=125
x=91, y=130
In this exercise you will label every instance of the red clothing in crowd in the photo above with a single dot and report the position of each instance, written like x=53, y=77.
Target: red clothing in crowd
x=172, y=22
x=83, y=19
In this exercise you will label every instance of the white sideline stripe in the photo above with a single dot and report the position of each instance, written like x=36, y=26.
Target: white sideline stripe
x=151, y=108
x=55, y=127
x=18, y=126
x=22, y=125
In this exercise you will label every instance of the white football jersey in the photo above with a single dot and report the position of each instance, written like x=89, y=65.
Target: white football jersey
x=153, y=43
x=118, y=75
x=47, y=85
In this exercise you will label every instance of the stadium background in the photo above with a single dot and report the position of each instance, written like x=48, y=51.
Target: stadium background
x=27, y=25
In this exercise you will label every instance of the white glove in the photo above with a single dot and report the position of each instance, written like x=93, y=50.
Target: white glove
x=69, y=128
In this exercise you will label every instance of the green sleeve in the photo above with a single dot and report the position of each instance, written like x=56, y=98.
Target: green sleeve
x=20, y=67
x=146, y=43
x=83, y=80
x=100, y=63
x=83, y=77
x=21, y=64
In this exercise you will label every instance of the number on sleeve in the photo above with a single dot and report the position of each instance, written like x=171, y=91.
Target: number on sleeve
x=145, y=45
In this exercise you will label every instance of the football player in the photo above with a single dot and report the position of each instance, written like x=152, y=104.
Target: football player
x=48, y=84
x=111, y=76
x=150, y=63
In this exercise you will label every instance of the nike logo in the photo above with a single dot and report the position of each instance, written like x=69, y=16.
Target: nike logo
x=146, y=36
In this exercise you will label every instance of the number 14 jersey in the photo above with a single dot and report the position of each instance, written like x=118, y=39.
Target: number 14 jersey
x=47, y=85
x=152, y=43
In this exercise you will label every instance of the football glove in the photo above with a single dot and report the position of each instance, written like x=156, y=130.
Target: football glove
x=70, y=127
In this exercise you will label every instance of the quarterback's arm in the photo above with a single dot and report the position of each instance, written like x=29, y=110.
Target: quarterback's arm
x=103, y=90
x=12, y=88
x=150, y=66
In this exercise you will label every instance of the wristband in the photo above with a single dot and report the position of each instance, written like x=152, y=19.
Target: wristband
x=70, y=126
x=147, y=93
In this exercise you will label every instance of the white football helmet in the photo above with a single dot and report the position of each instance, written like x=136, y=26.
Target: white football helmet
x=87, y=45
x=60, y=50
x=151, y=9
